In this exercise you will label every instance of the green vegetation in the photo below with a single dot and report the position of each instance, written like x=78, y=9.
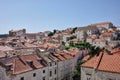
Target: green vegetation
x=52, y=33
x=85, y=45
x=63, y=43
x=72, y=37
x=73, y=31
x=77, y=73
x=67, y=47
x=94, y=51
x=80, y=45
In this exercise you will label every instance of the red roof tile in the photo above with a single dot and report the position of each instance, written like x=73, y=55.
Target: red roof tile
x=105, y=62
x=107, y=34
x=20, y=63
x=99, y=40
x=5, y=48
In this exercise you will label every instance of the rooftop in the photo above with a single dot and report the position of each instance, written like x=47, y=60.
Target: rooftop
x=105, y=61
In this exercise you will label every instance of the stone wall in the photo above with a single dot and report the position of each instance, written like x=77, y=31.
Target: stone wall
x=88, y=73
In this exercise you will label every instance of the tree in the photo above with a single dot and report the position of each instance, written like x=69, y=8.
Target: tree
x=50, y=34
x=77, y=73
x=67, y=47
x=94, y=51
x=72, y=44
x=63, y=43
x=73, y=31
x=54, y=31
x=72, y=37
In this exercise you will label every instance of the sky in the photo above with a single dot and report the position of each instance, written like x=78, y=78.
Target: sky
x=44, y=15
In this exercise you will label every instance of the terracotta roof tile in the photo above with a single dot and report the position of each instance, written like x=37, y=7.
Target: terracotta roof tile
x=99, y=40
x=19, y=67
x=74, y=52
x=59, y=57
x=5, y=48
x=107, y=34
x=86, y=57
x=30, y=45
x=105, y=62
x=20, y=63
x=66, y=56
x=2, y=54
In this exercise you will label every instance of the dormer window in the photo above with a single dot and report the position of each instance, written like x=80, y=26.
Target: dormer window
x=34, y=74
x=30, y=62
x=9, y=66
x=22, y=78
x=40, y=60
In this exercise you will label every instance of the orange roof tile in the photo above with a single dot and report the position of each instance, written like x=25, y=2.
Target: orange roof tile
x=30, y=45
x=105, y=62
x=86, y=57
x=74, y=52
x=59, y=57
x=99, y=40
x=2, y=54
x=5, y=48
x=66, y=56
x=20, y=63
x=107, y=34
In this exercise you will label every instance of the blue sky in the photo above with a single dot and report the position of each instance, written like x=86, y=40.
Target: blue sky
x=42, y=15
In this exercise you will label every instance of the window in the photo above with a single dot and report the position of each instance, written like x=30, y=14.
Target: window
x=55, y=79
x=30, y=63
x=22, y=78
x=50, y=64
x=55, y=63
x=110, y=79
x=55, y=71
x=34, y=74
x=43, y=71
x=43, y=78
x=50, y=73
x=88, y=78
x=8, y=68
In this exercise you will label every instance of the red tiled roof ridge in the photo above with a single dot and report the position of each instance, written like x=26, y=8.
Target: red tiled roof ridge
x=99, y=58
x=99, y=40
x=116, y=51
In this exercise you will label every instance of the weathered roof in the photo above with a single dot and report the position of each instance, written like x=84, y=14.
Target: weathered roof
x=99, y=40
x=100, y=23
x=86, y=28
x=19, y=64
x=5, y=48
x=107, y=34
x=105, y=62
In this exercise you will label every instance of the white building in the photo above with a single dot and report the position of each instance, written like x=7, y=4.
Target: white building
x=83, y=32
x=106, y=25
x=99, y=43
